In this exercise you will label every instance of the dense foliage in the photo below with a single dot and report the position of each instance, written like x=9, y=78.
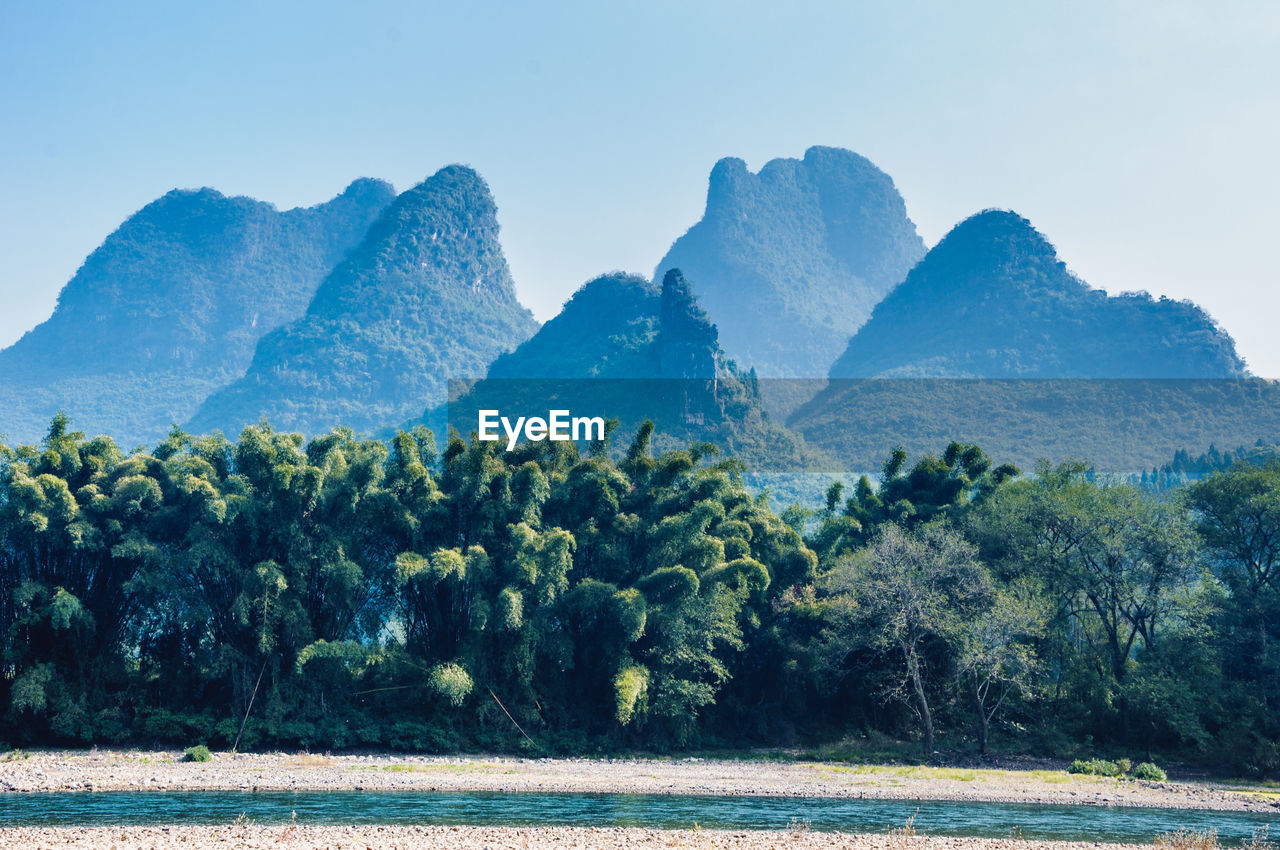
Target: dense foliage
x=426, y=296
x=347, y=592
x=992, y=300
x=170, y=306
x=351, y=592
x=791, y=260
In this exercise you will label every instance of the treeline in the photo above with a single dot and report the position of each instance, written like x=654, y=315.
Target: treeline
x=1186, y=467
x=354, y=593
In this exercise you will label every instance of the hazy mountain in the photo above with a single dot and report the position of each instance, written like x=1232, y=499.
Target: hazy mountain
x=987, y=340
x=170, y=307
x=625, y=348
x=992, y=300
x=427, y=295
x=606, y=330
x=789, y=262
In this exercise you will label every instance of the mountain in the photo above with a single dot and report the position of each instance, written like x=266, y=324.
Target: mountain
x=170, y=306
x=991, y=340
x=790, y=261
x=425, y=296
x=608, y=329
x=627, y=349
x=993, y=300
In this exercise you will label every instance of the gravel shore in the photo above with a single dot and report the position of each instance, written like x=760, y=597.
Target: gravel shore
x=458, y=837
x=104, y=770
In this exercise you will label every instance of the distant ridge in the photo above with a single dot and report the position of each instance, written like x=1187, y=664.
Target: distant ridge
x=426, y=295
x=790, y=261
x=993, y=300
x=170, y=307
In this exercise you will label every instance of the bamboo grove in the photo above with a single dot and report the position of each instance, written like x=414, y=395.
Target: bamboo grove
x=344, y=593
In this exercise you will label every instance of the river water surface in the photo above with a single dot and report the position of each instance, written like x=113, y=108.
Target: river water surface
x=993, y=820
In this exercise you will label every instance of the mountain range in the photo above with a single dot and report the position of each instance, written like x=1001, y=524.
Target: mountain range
x=215, y=313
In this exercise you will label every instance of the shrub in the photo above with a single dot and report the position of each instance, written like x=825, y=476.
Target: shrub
x=1123, y=766
x=1150, y=772
x=197, y=753
x=1095, y=767
x=1189, y=839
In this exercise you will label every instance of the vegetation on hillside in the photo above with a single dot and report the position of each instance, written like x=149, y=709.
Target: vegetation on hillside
x=992, y=300
x=170, y=306
x=426, y=296
x=631, y=351
x=1120, y=425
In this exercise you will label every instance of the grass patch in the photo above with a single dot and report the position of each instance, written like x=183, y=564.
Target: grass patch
x=912, y=771
x=1053, y=777
x=954, y=774
x=310, y=760
x=467, y=767
x=1256, y=792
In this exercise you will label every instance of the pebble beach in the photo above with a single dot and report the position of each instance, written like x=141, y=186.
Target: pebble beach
x=493, y=838
x=133, y=770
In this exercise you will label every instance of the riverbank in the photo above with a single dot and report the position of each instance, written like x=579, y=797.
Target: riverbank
x=462, y=837
x=130, y=770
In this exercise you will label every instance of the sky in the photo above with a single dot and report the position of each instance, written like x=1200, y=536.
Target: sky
x=1140, y=137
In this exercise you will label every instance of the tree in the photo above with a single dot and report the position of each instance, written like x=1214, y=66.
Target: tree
x=1238, y=516
x=915, y=589
x=935, y=488
x=1110, y=555
x=996, y=655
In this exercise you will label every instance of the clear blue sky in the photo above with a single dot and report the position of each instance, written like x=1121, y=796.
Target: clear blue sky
x=1141, y=137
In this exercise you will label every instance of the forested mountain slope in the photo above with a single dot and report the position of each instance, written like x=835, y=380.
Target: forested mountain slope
x=626, y=349
x=993, y=300
x=427, y=295
x=170, y=307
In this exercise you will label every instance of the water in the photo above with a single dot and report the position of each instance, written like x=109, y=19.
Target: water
x=1092, y=823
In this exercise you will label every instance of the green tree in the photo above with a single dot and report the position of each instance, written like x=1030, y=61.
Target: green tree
x=914, y=590
x=1109, y=555
x=996, y=655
